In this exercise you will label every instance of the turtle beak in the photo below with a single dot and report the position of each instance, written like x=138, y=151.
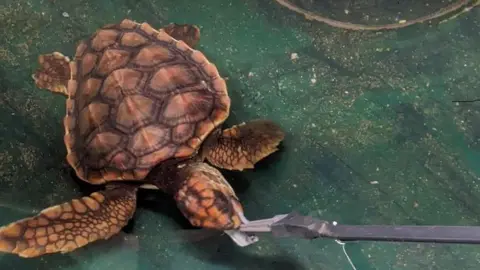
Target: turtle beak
x=240, y=238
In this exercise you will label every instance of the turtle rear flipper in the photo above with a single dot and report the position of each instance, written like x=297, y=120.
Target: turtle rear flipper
x=188, y=33
x=53, y=73
x=242, y=146
x=71, y=225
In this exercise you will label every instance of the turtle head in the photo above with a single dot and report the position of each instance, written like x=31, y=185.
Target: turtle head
x=207, y=200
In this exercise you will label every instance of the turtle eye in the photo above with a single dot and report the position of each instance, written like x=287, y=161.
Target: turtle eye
x=208, y=205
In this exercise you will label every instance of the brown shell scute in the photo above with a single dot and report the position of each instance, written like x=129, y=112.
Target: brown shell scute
x=153, y=55
x=136, y=98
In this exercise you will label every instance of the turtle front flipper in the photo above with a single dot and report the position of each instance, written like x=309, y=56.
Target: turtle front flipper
x=242, y=146
x=71, y=225
x=188, y=33
x=206, y=199
x=53, y=73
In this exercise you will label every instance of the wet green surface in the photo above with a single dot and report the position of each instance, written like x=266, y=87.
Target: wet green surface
x=358, y=107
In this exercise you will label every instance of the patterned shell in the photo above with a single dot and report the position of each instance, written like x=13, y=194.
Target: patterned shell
x=138, y=97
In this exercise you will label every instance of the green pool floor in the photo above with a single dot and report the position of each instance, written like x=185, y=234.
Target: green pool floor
x=373, y=136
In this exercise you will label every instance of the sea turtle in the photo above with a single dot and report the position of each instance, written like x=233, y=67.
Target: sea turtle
x=143, y=108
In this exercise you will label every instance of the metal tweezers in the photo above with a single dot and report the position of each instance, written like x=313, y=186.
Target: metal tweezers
x=286, y=225
x=307, y=227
